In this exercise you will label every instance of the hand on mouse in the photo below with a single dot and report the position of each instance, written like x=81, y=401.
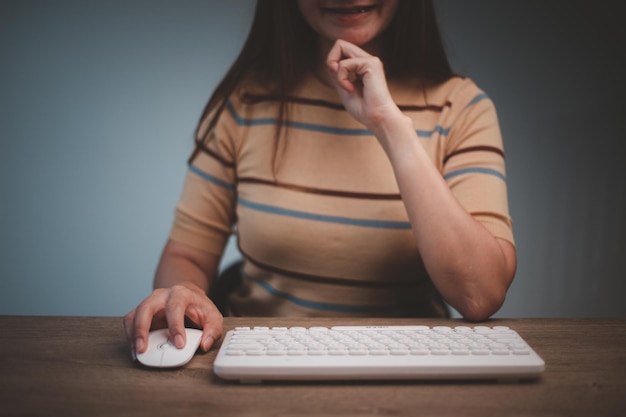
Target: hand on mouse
x=168, y=307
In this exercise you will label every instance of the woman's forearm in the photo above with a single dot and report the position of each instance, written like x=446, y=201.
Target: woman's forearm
x=183, y=265
x=468, y=265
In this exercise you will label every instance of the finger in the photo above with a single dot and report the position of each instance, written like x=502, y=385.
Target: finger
x=347, y=74
x=353, y=71
x=128, y=322
x=342, y=50
x=175, y=308
x=141, y=328
x=211, y=329
x=144, y=315
x=203, y=313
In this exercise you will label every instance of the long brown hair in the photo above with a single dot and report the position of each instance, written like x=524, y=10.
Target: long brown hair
x=278, y=52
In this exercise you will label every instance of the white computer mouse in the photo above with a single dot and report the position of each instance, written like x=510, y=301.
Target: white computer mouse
x=161, y=352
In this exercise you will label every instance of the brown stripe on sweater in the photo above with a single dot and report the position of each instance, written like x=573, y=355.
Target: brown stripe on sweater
x=320, y=191
x=254, y=99
x=323, y=280
x=474, y=149
x=203, y=148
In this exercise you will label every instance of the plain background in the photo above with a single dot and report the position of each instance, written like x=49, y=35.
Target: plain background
x=99, y=100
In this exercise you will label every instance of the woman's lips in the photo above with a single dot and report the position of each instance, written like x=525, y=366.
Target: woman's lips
x=350, y=10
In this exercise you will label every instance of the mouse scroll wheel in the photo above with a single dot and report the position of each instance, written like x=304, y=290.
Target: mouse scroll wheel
x=166, y=345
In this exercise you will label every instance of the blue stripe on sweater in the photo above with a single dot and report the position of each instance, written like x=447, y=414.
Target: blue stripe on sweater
x=381, y=224
x=316, y=305
x=479, y=97
x=318, y=127
x=211, y=178
x=474, y=170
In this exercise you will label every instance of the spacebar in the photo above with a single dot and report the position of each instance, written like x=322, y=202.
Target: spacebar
x=380, y=327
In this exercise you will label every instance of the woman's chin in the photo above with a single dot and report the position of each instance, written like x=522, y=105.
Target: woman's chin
x=361, y=39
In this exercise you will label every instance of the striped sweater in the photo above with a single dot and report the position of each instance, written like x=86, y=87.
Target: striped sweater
x=318, y=215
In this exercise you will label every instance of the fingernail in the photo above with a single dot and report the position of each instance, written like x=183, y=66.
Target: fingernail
x=133, y=353
x=207, y=343
x=179, y=342
x=139, y=344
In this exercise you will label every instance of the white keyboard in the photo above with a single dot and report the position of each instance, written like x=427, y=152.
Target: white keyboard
x=376, y=352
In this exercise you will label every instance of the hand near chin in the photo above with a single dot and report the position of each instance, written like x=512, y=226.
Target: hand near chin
x=361, y=83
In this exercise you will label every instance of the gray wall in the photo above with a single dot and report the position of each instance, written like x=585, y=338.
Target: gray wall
x=98, y=102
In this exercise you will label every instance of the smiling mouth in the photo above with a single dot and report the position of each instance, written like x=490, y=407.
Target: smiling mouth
x=350, y=10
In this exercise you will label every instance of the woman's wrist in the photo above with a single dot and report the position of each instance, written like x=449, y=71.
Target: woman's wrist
x=394, y=132
x=190, y=285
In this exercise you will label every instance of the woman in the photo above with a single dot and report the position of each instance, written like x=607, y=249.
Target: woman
x=355, y=189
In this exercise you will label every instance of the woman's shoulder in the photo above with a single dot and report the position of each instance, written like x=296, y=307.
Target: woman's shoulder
x=463, y=90
x=455, y=91
x=251, y=87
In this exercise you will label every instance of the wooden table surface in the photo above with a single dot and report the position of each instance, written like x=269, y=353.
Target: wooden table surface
x=81, y=366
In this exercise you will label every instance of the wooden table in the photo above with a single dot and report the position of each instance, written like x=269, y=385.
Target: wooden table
x=81, y=366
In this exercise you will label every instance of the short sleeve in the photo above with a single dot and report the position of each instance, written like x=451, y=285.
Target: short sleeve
x=474, y=161
x=205, y=214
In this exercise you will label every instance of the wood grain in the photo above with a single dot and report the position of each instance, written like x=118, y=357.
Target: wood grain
x=81, y=366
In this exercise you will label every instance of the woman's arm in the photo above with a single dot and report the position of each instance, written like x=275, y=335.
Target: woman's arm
x=181, y=285
x=469, y=266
